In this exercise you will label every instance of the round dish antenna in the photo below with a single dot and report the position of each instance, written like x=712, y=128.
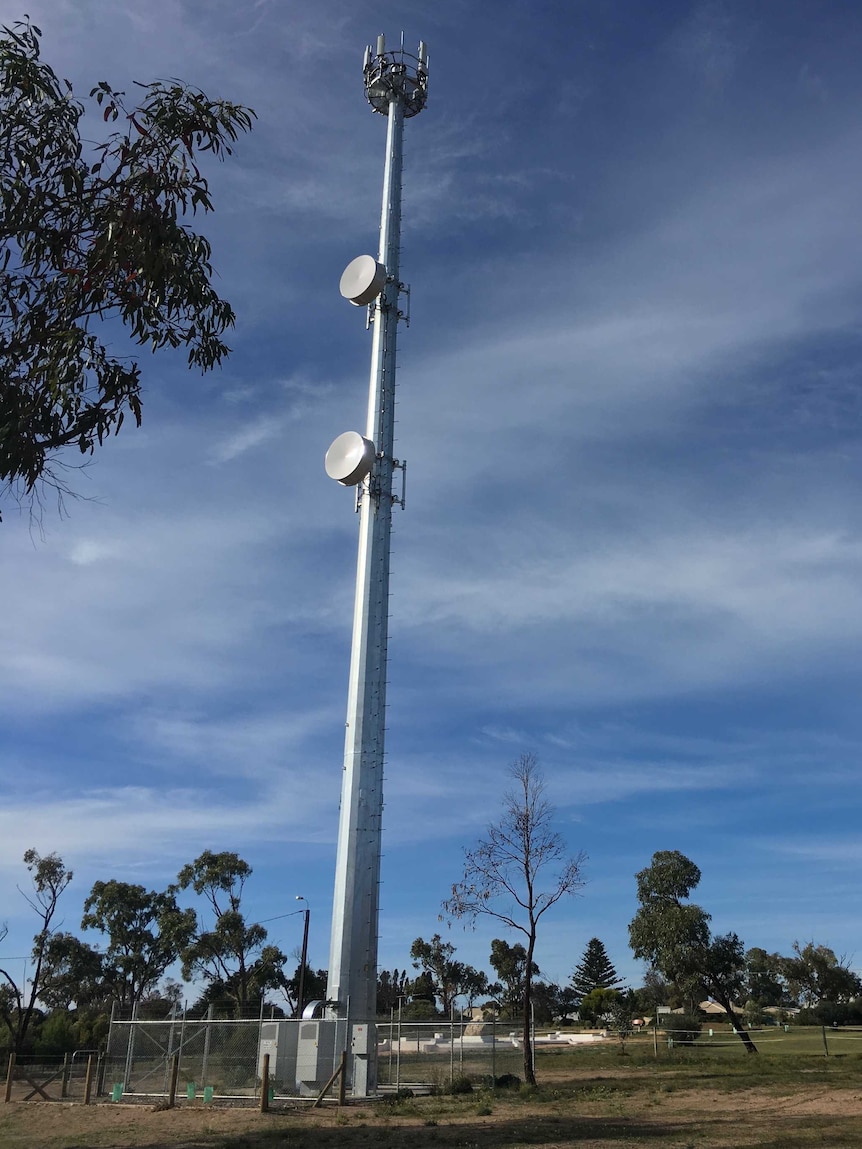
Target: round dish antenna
x=350, y=458
x=363, y=280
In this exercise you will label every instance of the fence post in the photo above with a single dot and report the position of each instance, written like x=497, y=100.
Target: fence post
x=131, y=1047
x=88, y=1083
x=264, y=1085
x=398, y=1056
x=64, y=1077
x=10, y=1073
x=175, y=1072
x=340, y=1070
x=210, y=1014
x=825, y=1046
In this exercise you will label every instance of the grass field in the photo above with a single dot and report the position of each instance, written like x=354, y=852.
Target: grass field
x=695, y=1097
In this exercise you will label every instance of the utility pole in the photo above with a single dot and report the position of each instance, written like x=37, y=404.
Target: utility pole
x=395, y=86
x=303, y=961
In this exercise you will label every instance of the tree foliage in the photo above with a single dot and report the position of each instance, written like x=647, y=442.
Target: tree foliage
x=231, y=955
x=73, y=974
x=596, y=1006
x=620, y=1015
x=595, y=970
x=654, y=992
x=509, y=962
x=449, y=978
x=392, y=986
x=437, y=959
x=815, y=974
x=683, y=1027
x=673, y=935
x=313, y=987
x=146, y=933
x=518, y=872
x=49, y=878
x=551, y=1002
x=764, y=978
x=93, y=234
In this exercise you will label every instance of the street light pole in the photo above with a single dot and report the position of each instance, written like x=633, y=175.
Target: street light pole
x=304, y=959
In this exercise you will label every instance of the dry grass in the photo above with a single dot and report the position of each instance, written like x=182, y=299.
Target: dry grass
x=691, y=1101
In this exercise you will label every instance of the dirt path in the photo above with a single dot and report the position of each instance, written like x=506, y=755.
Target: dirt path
x=681, y=1118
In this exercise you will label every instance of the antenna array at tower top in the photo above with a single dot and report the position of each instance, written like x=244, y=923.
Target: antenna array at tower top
x=389, y=75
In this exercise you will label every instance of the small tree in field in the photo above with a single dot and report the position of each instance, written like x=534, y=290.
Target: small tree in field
x=673, y=935
x=95, y=232
x=518, y=872
x=596, y=1006
x=621, y=1017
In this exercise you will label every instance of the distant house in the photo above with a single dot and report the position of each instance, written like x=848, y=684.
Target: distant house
x=712, y=1008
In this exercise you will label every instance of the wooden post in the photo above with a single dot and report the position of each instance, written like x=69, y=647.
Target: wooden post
x=342, y=1081
x=64, y=1079
x=88, y=1081
x=342, y=1065
x=825, y=1046
x=264, y=1085
x=172, y=1089
x=10, y=1073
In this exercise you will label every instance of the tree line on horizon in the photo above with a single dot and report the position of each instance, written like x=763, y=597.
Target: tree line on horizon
x=74, y=985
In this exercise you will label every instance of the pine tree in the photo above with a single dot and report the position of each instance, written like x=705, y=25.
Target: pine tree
x=595, y=970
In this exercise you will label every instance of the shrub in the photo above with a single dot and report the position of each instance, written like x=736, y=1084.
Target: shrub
x=57, y=1035
x=508, y=1081
x=504, y=1081
x=831, y=1013
x=682, y=1027
x=402, y=1094
x=461, y=1085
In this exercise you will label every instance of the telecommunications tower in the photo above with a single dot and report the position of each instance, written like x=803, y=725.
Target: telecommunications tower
x=396, y=86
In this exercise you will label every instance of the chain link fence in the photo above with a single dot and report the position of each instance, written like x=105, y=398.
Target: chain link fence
x=419, y=1055
x=206, y=1059
x=221, y=1058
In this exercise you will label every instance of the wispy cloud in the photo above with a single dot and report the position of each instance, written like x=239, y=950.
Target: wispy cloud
x=712, y=39
x=246, y=438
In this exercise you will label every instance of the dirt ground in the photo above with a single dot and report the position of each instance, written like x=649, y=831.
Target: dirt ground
x=599, y=1116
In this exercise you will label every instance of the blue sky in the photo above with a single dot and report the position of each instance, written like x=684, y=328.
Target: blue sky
x=630, y=406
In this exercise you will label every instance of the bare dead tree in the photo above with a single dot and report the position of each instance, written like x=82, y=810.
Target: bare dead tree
x=518, y=872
